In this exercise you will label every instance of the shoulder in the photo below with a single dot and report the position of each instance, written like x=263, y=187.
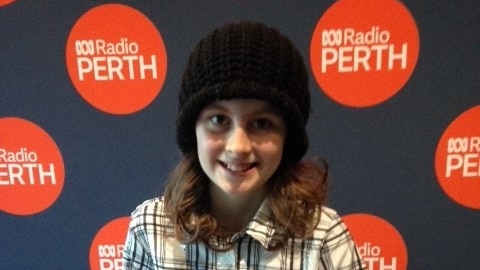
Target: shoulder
x=150, y=212
x=329, y=218
x=331, y=225
x=149, y=204
x=329, y=214
x=339, y=248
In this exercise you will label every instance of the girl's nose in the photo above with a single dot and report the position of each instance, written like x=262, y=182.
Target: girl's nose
x=238, y=142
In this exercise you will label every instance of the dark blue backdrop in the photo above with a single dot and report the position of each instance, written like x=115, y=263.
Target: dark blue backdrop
x=381, y=157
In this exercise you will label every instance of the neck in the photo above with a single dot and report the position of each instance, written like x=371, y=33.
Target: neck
x=234, y=213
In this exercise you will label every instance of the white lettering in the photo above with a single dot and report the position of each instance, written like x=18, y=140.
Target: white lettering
x=123, y=47
x=120, y=249
x=110, y=264
x=355, y=58
x=391, y=266
x=379, y=49
x=468, y=164
x=348, y=36
x=402, y=56
x=329, y=57
x=345, y=57
x=82, y=69
x=374, y=36
x=152, y=67
x=463, y=145
x=107, y=68
x=23, y=155
x=348, y=50
x=474, y=144
x=331, y=37
x=84, y=47
x=26, y=174
x=379, y=263
x=367, y=250
x=106, y=251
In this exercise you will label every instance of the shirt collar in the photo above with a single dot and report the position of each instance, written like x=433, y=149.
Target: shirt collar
x=262, y=228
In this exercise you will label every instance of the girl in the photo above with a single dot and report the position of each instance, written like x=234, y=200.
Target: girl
x=241, y=198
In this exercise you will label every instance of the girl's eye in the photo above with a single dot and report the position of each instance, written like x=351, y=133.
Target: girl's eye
x=219, y=120
x=262, y=123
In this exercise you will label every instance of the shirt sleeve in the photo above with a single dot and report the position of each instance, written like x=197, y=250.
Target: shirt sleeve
x=339, y=250
x=136, y=253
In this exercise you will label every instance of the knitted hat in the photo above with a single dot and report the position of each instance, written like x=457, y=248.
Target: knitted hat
x=246, y=60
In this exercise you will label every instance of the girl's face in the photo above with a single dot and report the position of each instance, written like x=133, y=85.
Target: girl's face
x=240, y=145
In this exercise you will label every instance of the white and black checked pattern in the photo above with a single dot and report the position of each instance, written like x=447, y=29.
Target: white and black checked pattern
x=150, y=245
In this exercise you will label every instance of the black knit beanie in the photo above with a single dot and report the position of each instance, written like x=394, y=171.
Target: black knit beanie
x=246, y=60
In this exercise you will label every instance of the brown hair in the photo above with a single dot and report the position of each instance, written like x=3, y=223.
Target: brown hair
x=297, y=190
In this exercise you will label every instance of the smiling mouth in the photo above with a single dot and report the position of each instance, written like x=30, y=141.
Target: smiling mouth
x=238, y=168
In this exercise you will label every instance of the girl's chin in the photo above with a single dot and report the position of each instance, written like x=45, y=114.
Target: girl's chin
x=239, y=192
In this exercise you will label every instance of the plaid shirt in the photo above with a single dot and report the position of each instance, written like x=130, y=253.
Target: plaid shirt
x=150, y=245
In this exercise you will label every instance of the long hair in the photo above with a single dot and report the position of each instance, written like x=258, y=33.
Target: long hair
x=297, y=191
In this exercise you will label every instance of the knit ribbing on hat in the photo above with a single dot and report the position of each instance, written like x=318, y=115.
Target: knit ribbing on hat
x=246, y=60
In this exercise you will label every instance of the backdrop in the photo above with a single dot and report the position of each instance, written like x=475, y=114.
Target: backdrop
x=89, y=97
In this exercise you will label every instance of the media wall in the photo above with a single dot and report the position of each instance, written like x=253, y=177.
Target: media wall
x=88, y=97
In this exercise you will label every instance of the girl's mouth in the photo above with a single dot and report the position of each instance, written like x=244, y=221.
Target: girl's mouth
x=238, y=168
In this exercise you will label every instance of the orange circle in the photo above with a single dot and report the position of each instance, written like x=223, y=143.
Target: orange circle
x=457, y=159
x=106, y=250
x=363, y=52
x=116, y=59
x=6, y=2
x=31, y=168
x=378, y=241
